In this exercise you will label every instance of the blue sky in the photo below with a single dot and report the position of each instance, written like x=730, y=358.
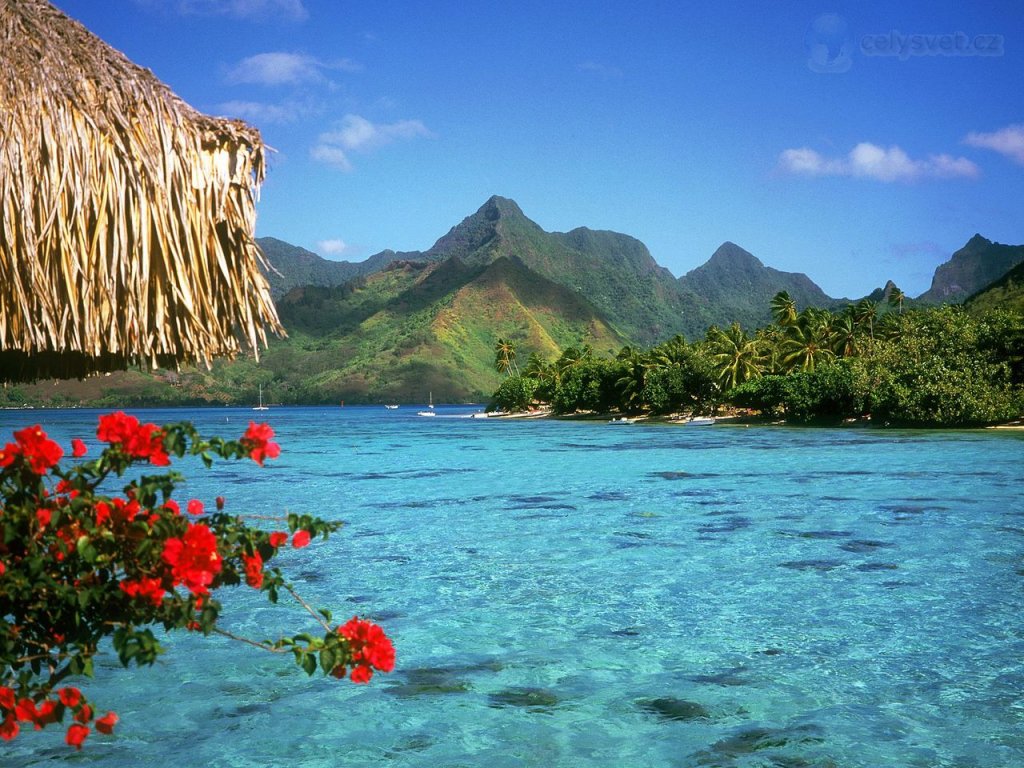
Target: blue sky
x=855, y=142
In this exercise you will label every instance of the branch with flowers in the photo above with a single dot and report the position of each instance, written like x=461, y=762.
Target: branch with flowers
x=79, y=565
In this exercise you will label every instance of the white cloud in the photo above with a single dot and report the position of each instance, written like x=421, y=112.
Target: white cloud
x=357, y=134
x=869, y=161
x=331, y=156
x=1007, y=141
x=333, y=247
x=292, y=10
x=276, y=69
x=260, y=113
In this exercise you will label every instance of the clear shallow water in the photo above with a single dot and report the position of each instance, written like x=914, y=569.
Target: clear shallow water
x=582, y=594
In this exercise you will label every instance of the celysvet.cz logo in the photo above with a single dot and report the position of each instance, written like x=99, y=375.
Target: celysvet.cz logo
x=894, y=43
x=831, y=45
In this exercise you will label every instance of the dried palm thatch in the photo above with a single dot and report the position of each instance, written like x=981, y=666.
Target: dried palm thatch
x=126, y=217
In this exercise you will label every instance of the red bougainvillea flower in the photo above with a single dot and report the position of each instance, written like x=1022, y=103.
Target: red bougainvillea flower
x=195, y=507
x=9, y=727
x=78, y=448
x=147, y=588
x=7, y=700
x=256, y=440
x=300, y=539
x=39, y=451
x=106, y=723
x=172, y=505
x=278, y=538
x=46, y=714
x=8, y=454
x=70, y=697
x=43, y=516
x=25, y=710
x=361, y=673
x=219, y=502
x=193, y=558
x=102, y=513
x=371, y=649
x=123, y=511
x=141, y=441
x=77, y=734
x=253, y=570
x=84, y=715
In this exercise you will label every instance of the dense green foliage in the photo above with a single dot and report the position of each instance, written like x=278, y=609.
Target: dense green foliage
x=514, y=394
x=920, y=367
x=1007, y=292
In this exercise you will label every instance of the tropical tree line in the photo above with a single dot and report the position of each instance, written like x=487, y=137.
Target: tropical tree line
x=883, y=361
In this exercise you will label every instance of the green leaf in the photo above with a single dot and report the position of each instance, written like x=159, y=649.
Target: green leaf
x=85, y=550
x=309, y=663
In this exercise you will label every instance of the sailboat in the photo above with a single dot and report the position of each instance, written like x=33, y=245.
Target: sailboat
x=430, y=406
x=261, y=406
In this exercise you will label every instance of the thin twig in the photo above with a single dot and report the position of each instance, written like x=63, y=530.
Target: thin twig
x=312, y=612
x=239, y=638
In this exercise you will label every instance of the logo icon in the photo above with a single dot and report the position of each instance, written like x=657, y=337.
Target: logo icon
x=829, y=45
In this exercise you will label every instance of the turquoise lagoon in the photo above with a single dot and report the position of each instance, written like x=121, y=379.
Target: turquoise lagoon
x=586, y=594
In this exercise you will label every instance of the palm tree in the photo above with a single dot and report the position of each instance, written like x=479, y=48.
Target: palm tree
x=573, y=356
x=675, y=351
x=783, y=308
x=806, y=346
x=736, y=356
x=631, y=382
x=864, y=313
x=896, y=297
x=505, y=356
x=845, y=336
x=891, y=327
x=769, y=340
x=536, y=368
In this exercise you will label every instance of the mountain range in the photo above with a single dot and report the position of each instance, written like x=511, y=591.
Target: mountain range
x=616, y=273
x=400, y=325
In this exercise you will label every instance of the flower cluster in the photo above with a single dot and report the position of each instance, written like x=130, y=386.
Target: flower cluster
x=14, y=711
x=34, y=447
x=140, y=441
x=369, y=647
x=193, y=558
x=78, y=564
x=257, y=441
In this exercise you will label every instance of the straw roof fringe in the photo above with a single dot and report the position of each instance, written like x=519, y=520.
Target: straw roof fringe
x=126, y=217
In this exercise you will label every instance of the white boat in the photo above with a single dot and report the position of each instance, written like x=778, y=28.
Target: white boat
x=623, y=420
x=261, y=406
x=430, y=406
x=391, y=407
x=700, y=421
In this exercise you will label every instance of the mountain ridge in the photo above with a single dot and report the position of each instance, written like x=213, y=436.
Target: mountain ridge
x=732, y=283
x=970, y=269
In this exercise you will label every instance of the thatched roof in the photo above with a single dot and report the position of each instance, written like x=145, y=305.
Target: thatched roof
x=126, y=217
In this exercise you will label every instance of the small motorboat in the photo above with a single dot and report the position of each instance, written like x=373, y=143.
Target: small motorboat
x=700, y=421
